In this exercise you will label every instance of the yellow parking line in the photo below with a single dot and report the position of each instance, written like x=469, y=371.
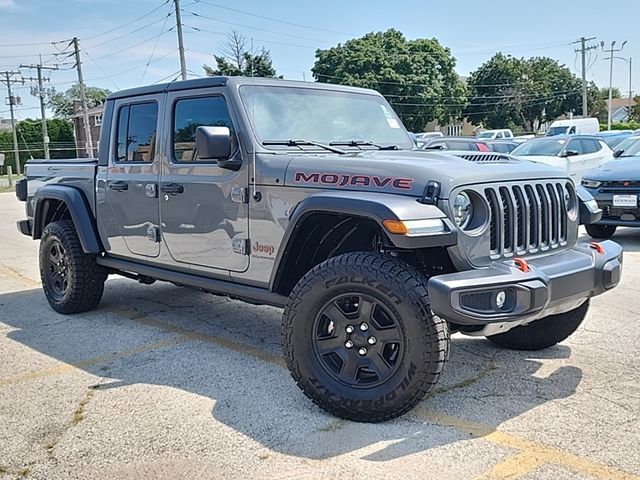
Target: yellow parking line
x=530, y=456
x=137, y=317
x=514, y=466
x=532, y=453
x=68, y=367
x=15, y=275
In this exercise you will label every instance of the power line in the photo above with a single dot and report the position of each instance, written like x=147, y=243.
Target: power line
x=264, y=17
x=128, y=23
x=155, y=45
x=135, y=45
x=226, y=22
x=128, y=33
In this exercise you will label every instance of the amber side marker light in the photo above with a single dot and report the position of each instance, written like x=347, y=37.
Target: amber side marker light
x=414, y=228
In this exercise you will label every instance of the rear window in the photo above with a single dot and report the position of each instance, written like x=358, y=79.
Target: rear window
x=136, y=140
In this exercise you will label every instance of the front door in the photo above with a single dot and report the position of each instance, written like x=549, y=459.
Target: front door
x=203, y=209
x=576, y=163
x=132, y=179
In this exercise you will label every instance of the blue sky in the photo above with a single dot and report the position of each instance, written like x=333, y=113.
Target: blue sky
x=140, y=53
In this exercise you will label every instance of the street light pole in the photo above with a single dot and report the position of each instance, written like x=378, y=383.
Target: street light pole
x=611, y=51
x=630, y=62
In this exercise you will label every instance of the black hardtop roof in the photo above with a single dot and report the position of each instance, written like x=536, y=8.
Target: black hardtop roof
x=222, y=81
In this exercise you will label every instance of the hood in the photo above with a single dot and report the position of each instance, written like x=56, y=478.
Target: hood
x=620, y=168
x=407, y=172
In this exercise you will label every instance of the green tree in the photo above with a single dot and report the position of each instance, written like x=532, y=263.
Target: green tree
x=521, y=93
x=62, y=103
x=62, y=142
x=235, y=60
x=416, y=76
x=635, y=110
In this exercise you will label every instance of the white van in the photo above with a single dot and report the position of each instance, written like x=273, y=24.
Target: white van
x=574, y=126
x=500, y=134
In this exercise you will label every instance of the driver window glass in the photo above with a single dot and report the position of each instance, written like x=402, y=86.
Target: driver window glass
x=575, y=145
x=191, y=113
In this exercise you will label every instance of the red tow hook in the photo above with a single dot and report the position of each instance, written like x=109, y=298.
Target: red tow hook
x=597, y=247
x=522, y=264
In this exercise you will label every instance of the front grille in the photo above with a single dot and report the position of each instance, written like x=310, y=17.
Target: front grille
x=527, y=218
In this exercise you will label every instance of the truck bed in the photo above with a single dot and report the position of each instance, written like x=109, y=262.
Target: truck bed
x=77, y=172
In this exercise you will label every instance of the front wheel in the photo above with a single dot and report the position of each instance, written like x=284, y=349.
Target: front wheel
x=600, y=231
x=543, y=333
x=72, y=280
x=360, y=338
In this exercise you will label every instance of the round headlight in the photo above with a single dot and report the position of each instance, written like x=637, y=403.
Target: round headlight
x=462, y=210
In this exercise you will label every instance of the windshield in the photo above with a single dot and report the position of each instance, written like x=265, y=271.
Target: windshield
x=485, y=135
x=324, y=116
x=540, y=147
x=556, y=131
x=614, y=141
x=627, y=143
x=631, y=149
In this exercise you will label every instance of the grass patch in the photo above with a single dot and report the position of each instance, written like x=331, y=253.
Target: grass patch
x=79, y=413
x=23, y=472
x=3, y=469
x=332, y=426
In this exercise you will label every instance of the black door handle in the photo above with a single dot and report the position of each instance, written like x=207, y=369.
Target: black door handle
x=119, y=186
x=172, y=188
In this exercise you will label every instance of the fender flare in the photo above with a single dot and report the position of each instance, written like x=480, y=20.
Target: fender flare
x=78, y=208
x=373, y=206
x=589, y=211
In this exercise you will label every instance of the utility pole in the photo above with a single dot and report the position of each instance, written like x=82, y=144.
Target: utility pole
x=583, y=50
x=629, y=62
x=611, y=52
x=8, y=80
x=41, y=93
x=83, y=100
x=183, y=63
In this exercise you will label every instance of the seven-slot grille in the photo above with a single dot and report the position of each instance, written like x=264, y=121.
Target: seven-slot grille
x=527, y=218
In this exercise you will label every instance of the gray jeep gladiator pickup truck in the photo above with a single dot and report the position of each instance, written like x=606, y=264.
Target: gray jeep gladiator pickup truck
x=313, y=197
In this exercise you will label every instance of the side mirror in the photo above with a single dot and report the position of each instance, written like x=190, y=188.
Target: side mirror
x=570, y=153
x=617, y=153
x=214, y=143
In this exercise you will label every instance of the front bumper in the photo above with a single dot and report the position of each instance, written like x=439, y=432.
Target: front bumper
x=618, y=216
x=554, y=284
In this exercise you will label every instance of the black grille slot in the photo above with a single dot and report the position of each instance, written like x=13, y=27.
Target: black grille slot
x=527, y=218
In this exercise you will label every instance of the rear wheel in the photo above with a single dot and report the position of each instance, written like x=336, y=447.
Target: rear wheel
x=360, y=339
x=72, y=280
x=542, y=333
x=600, y=231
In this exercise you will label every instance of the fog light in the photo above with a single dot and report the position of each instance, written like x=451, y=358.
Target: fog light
x=501, y=297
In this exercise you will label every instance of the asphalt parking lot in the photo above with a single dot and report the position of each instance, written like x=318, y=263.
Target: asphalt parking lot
x=167, y=382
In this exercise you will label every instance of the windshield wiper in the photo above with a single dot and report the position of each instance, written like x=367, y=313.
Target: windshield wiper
x=298, y=143
x=359, y=143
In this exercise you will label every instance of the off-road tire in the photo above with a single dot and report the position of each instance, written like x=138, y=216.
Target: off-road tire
x=393, y=286
x=84, y=277
x=600, y=231
x=543, y=333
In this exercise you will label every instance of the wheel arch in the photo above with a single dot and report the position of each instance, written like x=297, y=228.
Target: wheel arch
x=55, y=202
x=331, y=223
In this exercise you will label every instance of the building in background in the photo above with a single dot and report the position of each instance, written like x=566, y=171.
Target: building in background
x=5, y=124
x=95, y=121
x=620, y=109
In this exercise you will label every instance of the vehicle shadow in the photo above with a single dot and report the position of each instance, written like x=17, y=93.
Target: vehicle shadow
x=258, y=398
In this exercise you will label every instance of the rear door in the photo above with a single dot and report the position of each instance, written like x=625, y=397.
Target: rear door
x=132, y=177
x=203, y=207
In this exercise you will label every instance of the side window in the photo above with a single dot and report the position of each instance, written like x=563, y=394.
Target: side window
x=575, y=145
x=572, y=130
x=499, y=135
x=137, y=125
x=589, y=145
x=191, y=113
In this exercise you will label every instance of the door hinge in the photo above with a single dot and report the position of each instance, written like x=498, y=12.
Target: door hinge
x=153, y=233
x=241, y=246
x=239, y=194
